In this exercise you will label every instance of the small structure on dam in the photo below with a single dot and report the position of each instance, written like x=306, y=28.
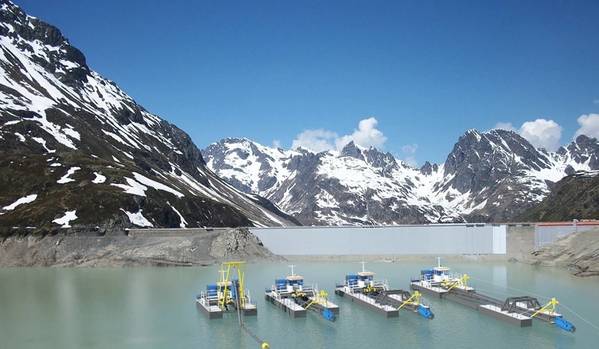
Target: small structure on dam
x=291, y=295
x=439, y=282
x=376, y=295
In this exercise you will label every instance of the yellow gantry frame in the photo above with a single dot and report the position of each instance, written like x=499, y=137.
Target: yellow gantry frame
x=368, y=289
x=548, y=308
x=226, y=279
x=319, y=298
x=463, y=281
x=414, y=300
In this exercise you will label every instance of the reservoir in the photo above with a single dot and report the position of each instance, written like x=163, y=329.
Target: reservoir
x=155, y=308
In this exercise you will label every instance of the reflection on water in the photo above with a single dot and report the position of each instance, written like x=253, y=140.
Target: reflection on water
x=154, y=308
x=499, y=275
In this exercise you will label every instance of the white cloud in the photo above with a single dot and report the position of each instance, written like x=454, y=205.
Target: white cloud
x=315, y=140
x=366, y=135
x=505, y=126
x=408, y=154
x=276, y=143
x=409, y=149
x=542, y=133
x=318, y=140
x=589, y=125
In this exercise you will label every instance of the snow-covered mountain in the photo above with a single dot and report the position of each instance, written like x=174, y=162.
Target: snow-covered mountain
x=488, y=176
x=76, y=150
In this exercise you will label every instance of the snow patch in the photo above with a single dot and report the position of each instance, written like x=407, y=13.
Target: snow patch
x=20, y=136
x=65, y=220
x=182, y=221
x=65, y=179
x=138, y=218
x=132, y=187
x=99, y=178
x=156, y=185
x=24, y=200
x=43, y=143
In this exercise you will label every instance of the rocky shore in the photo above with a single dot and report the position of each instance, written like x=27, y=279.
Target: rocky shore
x=578, y=252
x=81, y=250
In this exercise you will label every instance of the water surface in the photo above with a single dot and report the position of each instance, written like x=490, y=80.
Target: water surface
x=154, y=308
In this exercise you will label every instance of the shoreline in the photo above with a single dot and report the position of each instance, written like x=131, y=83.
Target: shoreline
x=576, y=252
x=63, y=250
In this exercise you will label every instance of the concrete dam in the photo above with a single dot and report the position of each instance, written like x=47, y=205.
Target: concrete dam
x=508, y=240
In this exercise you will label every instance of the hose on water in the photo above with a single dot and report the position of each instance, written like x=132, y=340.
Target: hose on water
x=263, y=344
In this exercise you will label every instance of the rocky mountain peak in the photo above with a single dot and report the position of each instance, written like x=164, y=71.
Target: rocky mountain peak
x=384, y=161
x=351, y=149
x=427, y=169
x=497, y=150
x=44, y=43
x=583, y=150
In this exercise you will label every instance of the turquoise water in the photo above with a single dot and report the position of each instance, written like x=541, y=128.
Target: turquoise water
x=154, y=308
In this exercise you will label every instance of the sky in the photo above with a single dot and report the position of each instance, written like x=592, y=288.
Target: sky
x=407, y=77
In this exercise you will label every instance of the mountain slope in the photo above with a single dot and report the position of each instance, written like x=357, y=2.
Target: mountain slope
x=502, y=173
x=488, y=176
x=573, y=197
x=75, y=150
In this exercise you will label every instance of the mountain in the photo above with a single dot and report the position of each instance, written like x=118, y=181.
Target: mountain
x=489, y=176
x=573, y=197
x=76, y=150
x=353, y=186
x=501, y=174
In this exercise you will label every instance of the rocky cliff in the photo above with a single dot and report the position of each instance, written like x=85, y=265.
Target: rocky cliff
x=88, y=250
x=578, y=252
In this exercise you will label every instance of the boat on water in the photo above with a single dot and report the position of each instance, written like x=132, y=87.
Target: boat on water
x=228, y=294
x=439, y=279
x=362, y=288
x=439, y=282
x=296, y=298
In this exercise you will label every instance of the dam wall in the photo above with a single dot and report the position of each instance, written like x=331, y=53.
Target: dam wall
x=427, y=239
x=515, y=240
x=547, y=233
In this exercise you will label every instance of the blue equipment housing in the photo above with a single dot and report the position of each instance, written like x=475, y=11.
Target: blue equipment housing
x=564, y=324
x=425, y=312
x=328, y=314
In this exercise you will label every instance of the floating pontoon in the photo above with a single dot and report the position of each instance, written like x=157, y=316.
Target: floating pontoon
x=227, y=294
x=376, y=295
x=295, y=298
x=440, y=283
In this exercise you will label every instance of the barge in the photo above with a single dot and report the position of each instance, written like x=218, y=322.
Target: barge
x=438, y=282
x=292, y=296
x=228, y=294
x=362, y=288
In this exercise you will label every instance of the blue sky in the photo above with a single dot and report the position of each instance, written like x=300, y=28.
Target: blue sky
x=269, y=70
